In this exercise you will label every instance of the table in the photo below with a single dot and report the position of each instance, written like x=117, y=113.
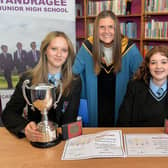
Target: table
x=18, y=153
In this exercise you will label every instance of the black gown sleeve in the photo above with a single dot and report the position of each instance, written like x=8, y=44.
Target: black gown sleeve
x=12, y=115
x=71, y=111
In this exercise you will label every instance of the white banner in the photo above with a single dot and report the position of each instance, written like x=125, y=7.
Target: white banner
x=40, y=8
x=5, y=96
x=27, y=21
x=30, y=20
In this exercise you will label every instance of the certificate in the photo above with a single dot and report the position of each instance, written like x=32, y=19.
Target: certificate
x=99, y=145
x=142, y=145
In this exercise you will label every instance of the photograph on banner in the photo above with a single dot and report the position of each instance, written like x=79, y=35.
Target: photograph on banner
x=23, y=26
x=24, y=23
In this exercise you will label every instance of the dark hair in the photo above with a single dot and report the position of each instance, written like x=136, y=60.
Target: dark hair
x=33, y=42
x=4, y=46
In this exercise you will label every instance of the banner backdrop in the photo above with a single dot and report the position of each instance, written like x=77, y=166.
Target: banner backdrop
x=24, y=23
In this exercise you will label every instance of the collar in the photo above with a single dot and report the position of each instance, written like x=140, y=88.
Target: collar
x=54, y=77
x=126, y=44
x=155, y=88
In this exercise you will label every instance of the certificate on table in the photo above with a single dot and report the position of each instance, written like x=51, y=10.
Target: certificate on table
x=146, y=145
x=99, y=145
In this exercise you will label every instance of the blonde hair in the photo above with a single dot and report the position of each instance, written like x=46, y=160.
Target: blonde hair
x=40, y=72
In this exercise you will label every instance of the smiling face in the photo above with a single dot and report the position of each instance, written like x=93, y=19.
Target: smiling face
x=57, y=53
x=106, y=30
x=158, y=66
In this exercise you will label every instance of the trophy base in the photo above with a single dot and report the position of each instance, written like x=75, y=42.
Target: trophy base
x=47, y=144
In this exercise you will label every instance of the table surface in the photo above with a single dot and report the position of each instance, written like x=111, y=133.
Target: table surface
x=19, y=153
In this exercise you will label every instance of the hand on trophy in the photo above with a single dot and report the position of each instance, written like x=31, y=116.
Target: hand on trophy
x=43, y=97
x=32, y=133
x=49, y=103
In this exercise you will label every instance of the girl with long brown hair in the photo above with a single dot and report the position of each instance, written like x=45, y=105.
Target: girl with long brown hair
x=106, y=61
x=56, y=59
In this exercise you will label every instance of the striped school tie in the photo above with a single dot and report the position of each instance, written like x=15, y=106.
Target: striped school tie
x=160, y=92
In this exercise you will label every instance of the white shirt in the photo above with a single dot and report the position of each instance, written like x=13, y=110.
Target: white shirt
x=108, y=55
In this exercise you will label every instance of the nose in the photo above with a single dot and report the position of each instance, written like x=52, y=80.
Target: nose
x=158, y=65
x=59, y=53
x=106, y=30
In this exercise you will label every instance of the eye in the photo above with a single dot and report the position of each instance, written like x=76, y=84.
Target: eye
x=111, y=27
x=65, y=50
x=164, y=61
x=54, y=48
x=101, y=27
x=152, y=62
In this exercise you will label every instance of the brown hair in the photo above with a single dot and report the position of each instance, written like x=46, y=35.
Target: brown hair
x=40, y=72
x=143, y=73
x=116, y=46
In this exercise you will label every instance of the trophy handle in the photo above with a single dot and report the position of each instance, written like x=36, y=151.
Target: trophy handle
x=60, y=94
x=24, y=93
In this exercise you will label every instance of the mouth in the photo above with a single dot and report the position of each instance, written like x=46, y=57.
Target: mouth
x=159, y=72
x=57, y=58
x=107, y=36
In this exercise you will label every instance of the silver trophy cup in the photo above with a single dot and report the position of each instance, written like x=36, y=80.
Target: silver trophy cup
x=43, y=97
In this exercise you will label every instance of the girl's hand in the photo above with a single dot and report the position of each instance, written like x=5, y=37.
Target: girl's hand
x=31, y=132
